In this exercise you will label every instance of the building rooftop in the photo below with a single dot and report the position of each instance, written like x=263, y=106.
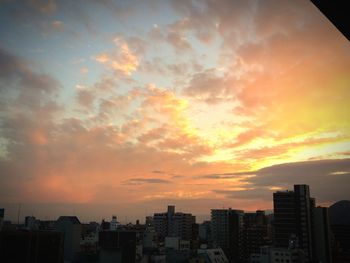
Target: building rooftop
x=73, y=219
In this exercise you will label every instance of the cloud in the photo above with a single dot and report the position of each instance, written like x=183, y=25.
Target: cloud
x=122, y=60
x=226, y=175
x=44, y=6
x=14, y=69
x=266, y=76
x=51, y=27
x=210, y=86
x=28, y=110
x=249, y=194
x=178, y=41
x=328, y=180
x=84, y=70
x=85, y=96
x=254, y=88
x=138, y=181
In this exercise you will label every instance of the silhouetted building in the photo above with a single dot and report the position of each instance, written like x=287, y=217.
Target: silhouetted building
x=2, y=215
x=269, y=254
x=150, y=238
x=321, y=235
x=339, y=214
x=293, y=216
x=160, y=221
x=114, y=223
x=227, y=228
x=117, y=246
x=71, y=228
x=89, y=242
x=204, y=232
x=174, y=224
x=254, y=233
x=31, y=246
x=30, y=222
x=105, y=225
x=149, y=221
x=212, y=255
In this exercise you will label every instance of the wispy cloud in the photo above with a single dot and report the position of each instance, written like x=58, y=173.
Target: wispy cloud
x=138, y=181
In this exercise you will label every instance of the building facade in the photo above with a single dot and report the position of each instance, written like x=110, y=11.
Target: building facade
x=174, y=224
x=227, y=229
x=293, y=212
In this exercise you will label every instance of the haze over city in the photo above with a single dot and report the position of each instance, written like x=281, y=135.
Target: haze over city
x=123, y=107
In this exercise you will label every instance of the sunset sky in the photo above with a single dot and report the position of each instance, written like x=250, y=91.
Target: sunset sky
x=123, y=107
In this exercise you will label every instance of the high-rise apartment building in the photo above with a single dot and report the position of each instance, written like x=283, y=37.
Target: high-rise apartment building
x=227, y=227
x=255, y=233
x=174, y=224
x=295, y=215
x=321, y=234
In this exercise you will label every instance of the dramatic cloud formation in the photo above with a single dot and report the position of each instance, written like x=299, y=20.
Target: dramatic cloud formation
x=128, y=106
x=328, y=178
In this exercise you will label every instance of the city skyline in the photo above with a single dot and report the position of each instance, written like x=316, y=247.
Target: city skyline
x=123, y=107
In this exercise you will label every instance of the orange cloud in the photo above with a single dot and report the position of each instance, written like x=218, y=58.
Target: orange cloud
x=123, y=60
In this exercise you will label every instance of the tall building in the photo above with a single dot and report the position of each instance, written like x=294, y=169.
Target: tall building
x=160, y=221
x=117, y=246
x=254, y=232
x=339, y=214
x=182, y=225
x=321, y=235
x=227, y=227
x=293, y=212
x=174, y=224
x=284, y=217
x=71, y=228
x=204, y=232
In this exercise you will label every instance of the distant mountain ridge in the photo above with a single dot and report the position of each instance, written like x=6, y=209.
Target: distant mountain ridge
x=339, y=213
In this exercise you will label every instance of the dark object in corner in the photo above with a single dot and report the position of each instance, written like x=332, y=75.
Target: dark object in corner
x=337, y=11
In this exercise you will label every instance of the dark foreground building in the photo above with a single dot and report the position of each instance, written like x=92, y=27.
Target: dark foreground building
x=117, y=246
x=227, y=230
x=31, y=247
x=295, y=215
x=340, y=227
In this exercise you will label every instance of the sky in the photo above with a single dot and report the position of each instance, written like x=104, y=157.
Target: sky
x=123, y=107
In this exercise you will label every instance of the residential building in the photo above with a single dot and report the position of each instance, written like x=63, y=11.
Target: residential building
x=212, y=255
x=173, y=224
x=71, y=228
x=254, y=234
x=117, y=246
x=227, y=228
x=268, y=254
x=321, y=235
x=293, y=212
x=339, y=214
